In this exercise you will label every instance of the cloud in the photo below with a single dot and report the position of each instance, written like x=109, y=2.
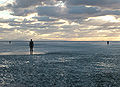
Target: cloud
x=29, y=3
x=21, y=11
x=45, y=18
x=82, y=10
x=74, y=13
x=71, y=13
x=100, y=3
x=61, y=19
x=110, y=12
x=51, y=11
x=26, y=3
x=25, y=7
x=7, y=20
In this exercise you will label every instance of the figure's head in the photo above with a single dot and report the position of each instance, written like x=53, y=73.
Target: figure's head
x=31, y=39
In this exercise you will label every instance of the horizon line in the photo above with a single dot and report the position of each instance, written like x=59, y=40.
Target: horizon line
x=47, y=41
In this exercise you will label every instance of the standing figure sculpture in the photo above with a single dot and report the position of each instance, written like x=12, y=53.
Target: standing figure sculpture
x=108, y=42
x=10, y=42
x=31, y=44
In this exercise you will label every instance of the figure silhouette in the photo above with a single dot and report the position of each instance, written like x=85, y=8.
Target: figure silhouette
x=108, y=42
x=31, y=44
x=10, y=42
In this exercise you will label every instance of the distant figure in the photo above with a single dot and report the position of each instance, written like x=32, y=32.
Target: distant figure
x=31, y=44
x=9, y=42
x=108, y=42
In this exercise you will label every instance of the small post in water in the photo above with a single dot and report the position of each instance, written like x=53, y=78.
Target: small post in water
x=31, y=44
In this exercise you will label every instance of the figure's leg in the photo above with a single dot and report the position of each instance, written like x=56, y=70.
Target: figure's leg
x=31, y=51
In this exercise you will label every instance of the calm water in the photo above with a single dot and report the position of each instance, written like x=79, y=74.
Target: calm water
x=60, y=64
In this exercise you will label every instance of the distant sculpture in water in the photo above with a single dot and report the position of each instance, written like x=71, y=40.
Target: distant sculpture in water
x=108, y=42
x=9, y=42
x=31, y=44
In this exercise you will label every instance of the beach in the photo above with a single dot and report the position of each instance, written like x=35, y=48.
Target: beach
x=60, y=64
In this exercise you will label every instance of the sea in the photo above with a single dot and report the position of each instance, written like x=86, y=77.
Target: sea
x=60, y=64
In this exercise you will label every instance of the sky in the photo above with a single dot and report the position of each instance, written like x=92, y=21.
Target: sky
x=70, y=20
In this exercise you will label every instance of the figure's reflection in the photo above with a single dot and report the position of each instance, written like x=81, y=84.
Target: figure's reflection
x=31, y=44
